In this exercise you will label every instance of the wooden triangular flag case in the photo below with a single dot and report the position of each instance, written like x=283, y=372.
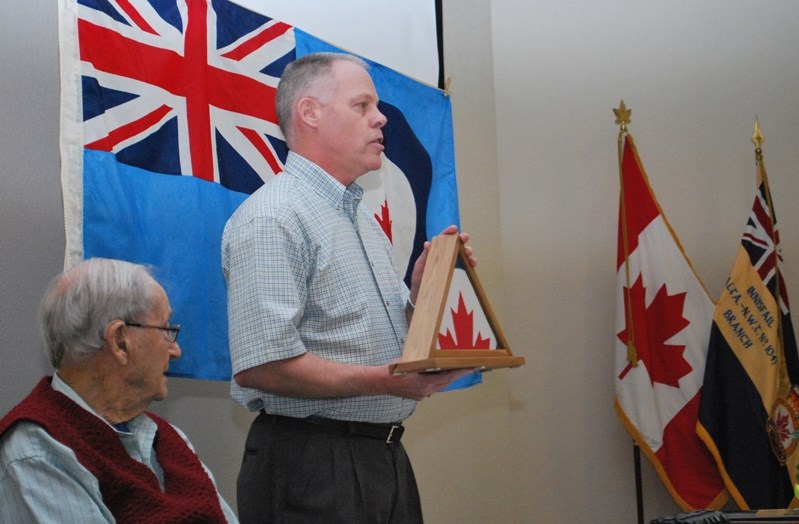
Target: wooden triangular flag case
x=421, y=353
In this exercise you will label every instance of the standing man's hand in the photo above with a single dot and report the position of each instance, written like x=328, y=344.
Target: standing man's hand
x=421, y=261
x=419, y=386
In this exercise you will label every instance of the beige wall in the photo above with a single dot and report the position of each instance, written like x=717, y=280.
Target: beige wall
x=533, y=87
x=695, y=75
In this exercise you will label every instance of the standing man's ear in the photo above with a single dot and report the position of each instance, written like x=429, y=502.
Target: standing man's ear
x=307, y=112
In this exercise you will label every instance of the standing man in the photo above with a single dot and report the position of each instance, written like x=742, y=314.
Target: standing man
x=80, y=447
x=317, y=311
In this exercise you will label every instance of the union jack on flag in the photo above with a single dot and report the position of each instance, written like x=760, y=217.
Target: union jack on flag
x=761, y=239
x=186, y=88
x=184, y=98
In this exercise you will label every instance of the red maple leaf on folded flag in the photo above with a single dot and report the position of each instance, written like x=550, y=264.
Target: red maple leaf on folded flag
x=664, y=362
x=463, y=338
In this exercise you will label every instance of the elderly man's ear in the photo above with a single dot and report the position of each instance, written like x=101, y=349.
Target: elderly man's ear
x=115, y=340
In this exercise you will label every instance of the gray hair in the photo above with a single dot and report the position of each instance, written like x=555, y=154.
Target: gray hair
x=80, y=302
x=304, y=77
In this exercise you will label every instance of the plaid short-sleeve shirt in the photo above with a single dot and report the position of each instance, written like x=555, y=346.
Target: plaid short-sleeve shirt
x=308, y=269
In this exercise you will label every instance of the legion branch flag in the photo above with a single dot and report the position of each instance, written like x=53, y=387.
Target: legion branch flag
x=749, y=413
x=168, y=124
x=663, y=317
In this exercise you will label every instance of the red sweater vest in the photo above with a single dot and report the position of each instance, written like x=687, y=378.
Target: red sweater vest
x=130, y=489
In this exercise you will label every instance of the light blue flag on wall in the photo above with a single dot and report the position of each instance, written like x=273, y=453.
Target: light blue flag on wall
x=168, y=124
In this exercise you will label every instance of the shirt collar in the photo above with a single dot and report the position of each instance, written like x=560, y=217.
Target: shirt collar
x=343, y=198
x=62, y=387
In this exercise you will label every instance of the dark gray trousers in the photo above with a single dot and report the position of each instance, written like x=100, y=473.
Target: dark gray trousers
x=296, y=472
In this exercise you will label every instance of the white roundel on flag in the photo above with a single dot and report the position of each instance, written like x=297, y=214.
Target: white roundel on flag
x=387, y=193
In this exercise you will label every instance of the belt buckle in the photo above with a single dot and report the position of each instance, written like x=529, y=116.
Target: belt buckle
x=391, y=433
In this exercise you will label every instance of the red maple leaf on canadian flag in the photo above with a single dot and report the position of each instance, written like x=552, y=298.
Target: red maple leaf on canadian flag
x=652, y=326
x=664, y=319
x=464, y=336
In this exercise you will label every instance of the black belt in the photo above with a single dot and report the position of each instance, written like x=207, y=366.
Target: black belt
x=389, y=433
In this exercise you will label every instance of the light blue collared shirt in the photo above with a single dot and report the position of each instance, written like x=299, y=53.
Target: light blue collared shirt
x=41, y=480
x=309, y=269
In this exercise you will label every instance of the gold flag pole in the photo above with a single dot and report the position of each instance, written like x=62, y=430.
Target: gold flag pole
x=622, y=120
x=762, y=178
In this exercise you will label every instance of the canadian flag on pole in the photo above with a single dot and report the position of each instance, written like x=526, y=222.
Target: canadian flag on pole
x=663, y=320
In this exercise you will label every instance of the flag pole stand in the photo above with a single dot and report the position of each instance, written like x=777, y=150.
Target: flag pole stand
x=639, y=492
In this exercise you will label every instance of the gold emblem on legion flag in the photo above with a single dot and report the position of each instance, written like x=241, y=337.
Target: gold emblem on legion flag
x=783, y=424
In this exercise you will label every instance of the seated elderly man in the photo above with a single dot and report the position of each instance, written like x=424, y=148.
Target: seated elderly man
x=80, y=447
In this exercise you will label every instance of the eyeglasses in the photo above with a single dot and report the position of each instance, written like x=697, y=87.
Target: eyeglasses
x=171, y=330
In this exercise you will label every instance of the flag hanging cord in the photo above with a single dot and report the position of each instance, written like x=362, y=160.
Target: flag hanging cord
x=622, y=119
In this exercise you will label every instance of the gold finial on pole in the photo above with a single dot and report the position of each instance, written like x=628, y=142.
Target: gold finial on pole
x=623, y=116
x=757, y=140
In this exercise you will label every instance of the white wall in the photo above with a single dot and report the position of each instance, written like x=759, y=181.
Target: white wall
x=695, y=75
x=31, y=214
x=534, y=85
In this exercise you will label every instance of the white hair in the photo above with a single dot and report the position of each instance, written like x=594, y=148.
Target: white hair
x=80, y=302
